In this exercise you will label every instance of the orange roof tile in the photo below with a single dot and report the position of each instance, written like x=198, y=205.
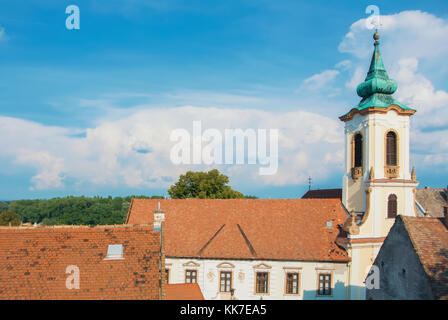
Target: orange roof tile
x=274, y=229
x=33, y=262
x=183, y=291
x=429, y=237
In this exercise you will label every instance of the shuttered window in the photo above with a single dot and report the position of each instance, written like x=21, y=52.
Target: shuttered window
x=358, y=150
x=391, y=149
x=392, y=206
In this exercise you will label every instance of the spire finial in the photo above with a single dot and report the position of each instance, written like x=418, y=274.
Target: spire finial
x=376, y=35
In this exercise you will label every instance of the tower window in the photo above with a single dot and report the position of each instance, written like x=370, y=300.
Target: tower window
x=392, y=206
x=358, y=150
x=391, y=149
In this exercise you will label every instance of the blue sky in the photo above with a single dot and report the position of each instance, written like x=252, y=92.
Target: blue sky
x=73, y=98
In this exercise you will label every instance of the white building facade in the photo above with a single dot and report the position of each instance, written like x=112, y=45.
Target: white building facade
x=286, y=280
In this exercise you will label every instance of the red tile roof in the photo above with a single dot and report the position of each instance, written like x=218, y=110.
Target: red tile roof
x=433, y=201
x=323, y=194
x=273, y=229
x=429, y=237
x=183, y=291
x=33, y=262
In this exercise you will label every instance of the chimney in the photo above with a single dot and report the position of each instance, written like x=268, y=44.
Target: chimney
x=159, y=217
x=445, y=216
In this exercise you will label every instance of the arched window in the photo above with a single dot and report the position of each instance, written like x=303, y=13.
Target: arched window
x=391, y=149
x=392, y=206
x=358, y=151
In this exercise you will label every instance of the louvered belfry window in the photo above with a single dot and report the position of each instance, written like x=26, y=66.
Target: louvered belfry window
x=392, y=206
x=358, y=150
x=391, y=149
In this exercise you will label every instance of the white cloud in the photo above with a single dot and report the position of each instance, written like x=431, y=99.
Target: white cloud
x=416, y=90
x=319, y=80
x=357, y=77
x=50, y=169
x=406, y=34
x=109, y=154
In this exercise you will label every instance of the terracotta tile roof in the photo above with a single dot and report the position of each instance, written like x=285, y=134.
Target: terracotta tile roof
x=429, y=237
x=33, y=262
x=432, y=200
x=183, y=291
x=274, y=229
x=323, y=194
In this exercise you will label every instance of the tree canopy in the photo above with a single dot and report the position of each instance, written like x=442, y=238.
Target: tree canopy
x=203, y=185
x=73, y=210
x=8, y=217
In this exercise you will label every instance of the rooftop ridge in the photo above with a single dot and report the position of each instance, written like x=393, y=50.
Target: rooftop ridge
x=251, y=248
x=210, y=240
x=115, y=226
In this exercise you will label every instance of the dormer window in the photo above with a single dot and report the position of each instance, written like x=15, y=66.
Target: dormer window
x=114, y=252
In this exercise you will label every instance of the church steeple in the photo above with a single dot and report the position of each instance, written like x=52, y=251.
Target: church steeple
x=377, y=184
x=377, y=152
x=377, y=80
x=377, y=89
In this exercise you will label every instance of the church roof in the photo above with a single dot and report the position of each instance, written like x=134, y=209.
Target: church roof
x=377, y=89
x=34, y=261
x=269, y=229
x=323, y=194
x=432, y=200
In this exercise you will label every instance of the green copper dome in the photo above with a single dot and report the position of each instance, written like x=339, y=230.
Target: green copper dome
x=377, y=89
x=377, y=80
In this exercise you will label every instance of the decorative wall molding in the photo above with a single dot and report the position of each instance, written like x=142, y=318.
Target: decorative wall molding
x=225, y=265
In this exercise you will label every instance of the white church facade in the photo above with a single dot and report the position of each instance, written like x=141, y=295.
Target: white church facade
x=300, y=248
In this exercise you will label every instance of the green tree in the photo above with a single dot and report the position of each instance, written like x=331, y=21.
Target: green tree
x=4, y=206
x=8, y=217
x=250, y=197
x=203, y=185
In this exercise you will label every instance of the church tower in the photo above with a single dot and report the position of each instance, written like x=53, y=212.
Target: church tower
x=378, y=183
